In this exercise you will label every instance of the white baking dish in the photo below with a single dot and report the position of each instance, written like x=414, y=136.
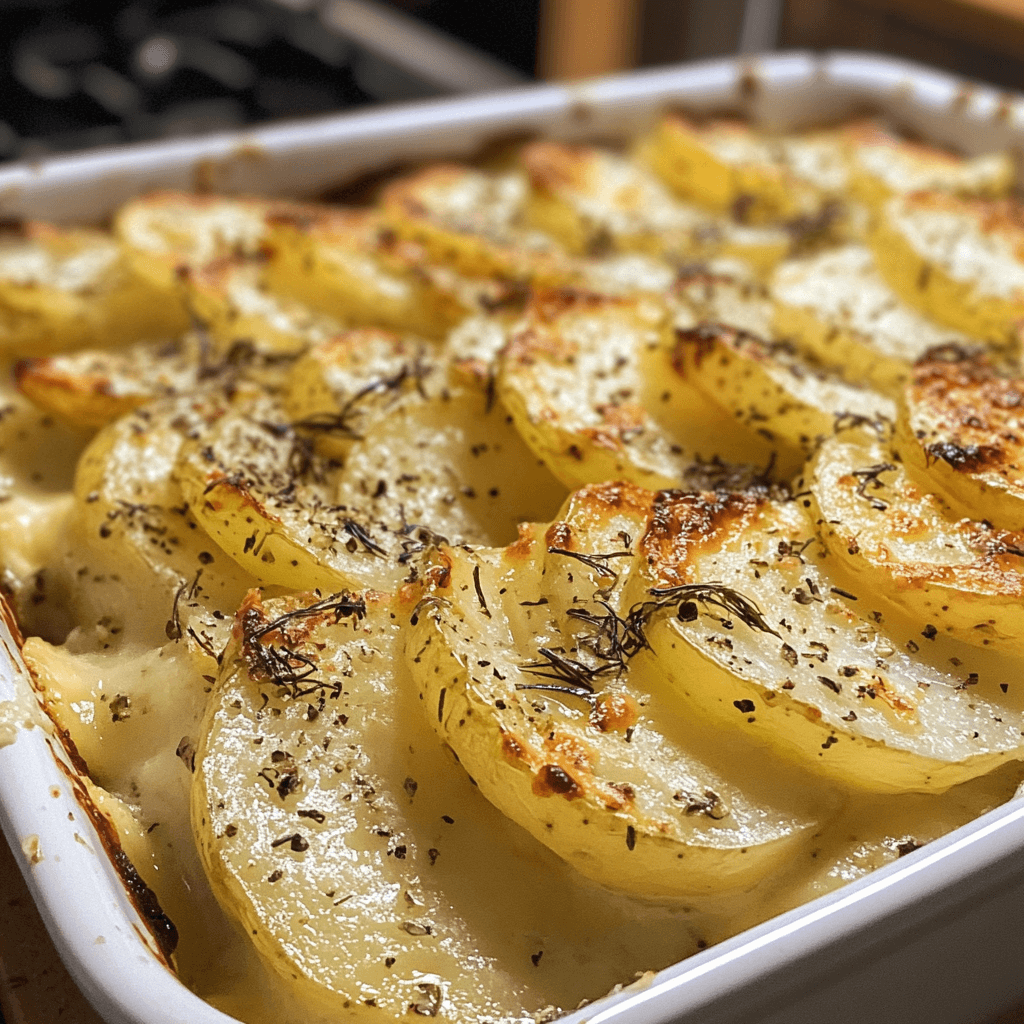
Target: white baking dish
x=933, y=938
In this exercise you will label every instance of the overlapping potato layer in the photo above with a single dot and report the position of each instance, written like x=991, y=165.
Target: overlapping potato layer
x=517, y=584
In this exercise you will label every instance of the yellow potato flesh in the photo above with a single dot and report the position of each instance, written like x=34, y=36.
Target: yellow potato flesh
x=91, y=388
x=594, y=762
x=836, y=307
x=960, y=429
x=358, y=855
x=912, y=552
x=67, y=289
x=956, y=260
x=348, y=265
x=727, y=166
x=589, y=199
x=768, y=640
x=771, y=390
x=590, y=387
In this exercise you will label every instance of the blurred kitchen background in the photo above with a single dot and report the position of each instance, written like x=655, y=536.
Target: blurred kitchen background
x=76, y=75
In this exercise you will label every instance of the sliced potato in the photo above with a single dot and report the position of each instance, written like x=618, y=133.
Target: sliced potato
x=522, y=666
x=90, y=388
x=327, y=800
x=819, y=158
x=62, y=289
x=754, y=632
x=341, y=388
x=350, y=265
x=261, y=493
x=961, y=427
x=730, y=167
x=237, y=309
x=472, y=348
x=141, y=571
x=438, y=460
x=166, y=233
x=882, y=165
x=453, y=463
x=837, y=307
x=771, y=390
x=120, y=716
x=382, y=402
x=38, y=454
x=475, y=222
x=957, y=260
x=905, y=546
x=590, y=198
x=589, y=384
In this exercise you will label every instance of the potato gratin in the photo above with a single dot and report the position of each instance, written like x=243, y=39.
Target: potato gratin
x=465, y=604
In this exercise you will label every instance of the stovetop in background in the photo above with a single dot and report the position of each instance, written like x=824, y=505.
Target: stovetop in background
x=74, y=76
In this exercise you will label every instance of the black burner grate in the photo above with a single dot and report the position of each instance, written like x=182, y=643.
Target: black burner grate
x=75, y=75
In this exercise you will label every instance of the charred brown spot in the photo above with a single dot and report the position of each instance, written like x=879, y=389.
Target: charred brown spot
x=511, y=749
x=551, y=780
x=551, y=303
x=624, y=421
x=877, y=690
x=552, y=166
x=696, y=342
x=559, y=535
x=597, y=500
x=441, y=575
x=290, y=218
x=617, y=711
x=522, y=546
x=969, y=458
x=680, y=525
x=239, y=488
x=531, y=343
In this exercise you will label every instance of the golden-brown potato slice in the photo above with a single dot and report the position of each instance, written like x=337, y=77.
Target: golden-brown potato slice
x=759, y=636
x=321, y=792
x=261, y=493
x=91, y=388
x=957, y=260
x=63, y=289
x=837, y=307
x=347, y=263
x=589, y=383
x=731, y=167
x=522, y=660
x=771, y=390
x=961, y=428
x=906, y=548
x=166, y=233
x=882, y=165
x=475, y=222
x=428, y=459
x=342, y=388
x=237, y=307
x=590, y=199
x=139, y=569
